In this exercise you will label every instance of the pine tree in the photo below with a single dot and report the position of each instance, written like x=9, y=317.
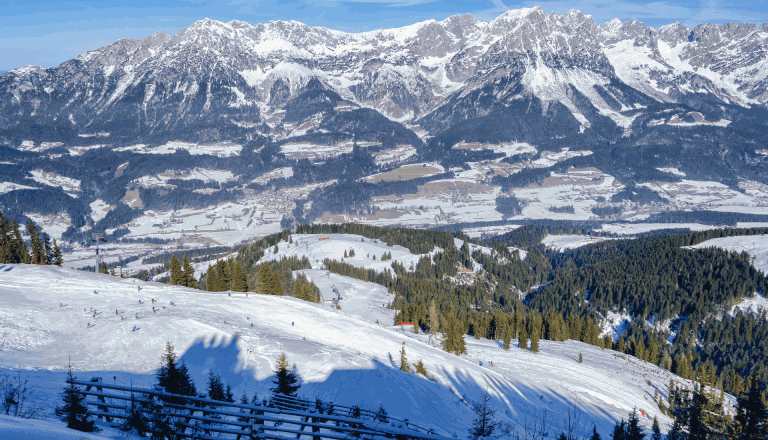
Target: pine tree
x=74, y=411
x=522, y=334
x=222, y=275
x=453, y=335
x=103, y=268
x=751, y=421
x=19, y=251
x=216, y=387
x=188, y=273
x=484, y=423
x=434, y=318
x=618, y=431
x=177, y=276
x=57, y=260
x=135, y=419
x=211, y=281
x=286, y=381
x=239, y=280
x=633, y=431
x=595, y=435
x=420, y=368
x=47, y=257
x=535, y=332
x=38, y=252
x=404, y=361
x=508, y=332
x=656, y=430
x=173, y=376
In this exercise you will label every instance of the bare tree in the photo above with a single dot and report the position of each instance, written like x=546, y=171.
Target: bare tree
x=18, y=398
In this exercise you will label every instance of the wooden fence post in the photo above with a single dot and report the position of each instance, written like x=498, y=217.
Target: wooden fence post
x=101, y=398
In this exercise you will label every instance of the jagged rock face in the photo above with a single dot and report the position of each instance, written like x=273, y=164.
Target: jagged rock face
x=212, y=80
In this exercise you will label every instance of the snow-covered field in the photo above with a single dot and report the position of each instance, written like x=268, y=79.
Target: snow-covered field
x=755, y=245
x=341, y=355
x=223, y=149
x=562, y=242
x=639, y=228
x=318, y=247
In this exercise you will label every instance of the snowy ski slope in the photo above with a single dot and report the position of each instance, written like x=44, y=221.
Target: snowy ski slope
x=341, y=355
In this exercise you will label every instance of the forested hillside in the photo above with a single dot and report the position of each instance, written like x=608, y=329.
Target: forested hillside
x=670, y=293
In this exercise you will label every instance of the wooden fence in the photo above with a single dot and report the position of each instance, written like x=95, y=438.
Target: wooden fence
x=280, y=418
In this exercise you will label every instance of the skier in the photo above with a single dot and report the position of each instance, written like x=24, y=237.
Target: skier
x=140, y=302
x=116, y=312
x=137, y=315
x=291, y=324
x=134, y=328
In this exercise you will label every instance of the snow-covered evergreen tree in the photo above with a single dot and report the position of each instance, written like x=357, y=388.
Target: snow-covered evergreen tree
x=73, y=410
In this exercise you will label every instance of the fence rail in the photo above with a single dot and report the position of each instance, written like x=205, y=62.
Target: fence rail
x=280, y=418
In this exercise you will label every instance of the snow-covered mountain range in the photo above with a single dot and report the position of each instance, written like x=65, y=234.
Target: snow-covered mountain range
x=242, y=74
x=297, y=123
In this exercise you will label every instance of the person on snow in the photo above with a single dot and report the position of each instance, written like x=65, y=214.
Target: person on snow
x=116, y=312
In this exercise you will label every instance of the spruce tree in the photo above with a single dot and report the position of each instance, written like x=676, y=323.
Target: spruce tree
x=656, y=430
x=751, y=421
x=535, y=332
x=188, y=274
x=103, y=268
x=215, y=388
x=484, y=423
x=404, y=361
x=173, y=376
x=57, y=260
x=47, y=257
x=633, y=431
x=222, y=275
x=595, y=434
x=73, y=410
x=522, y=334
x=618, y=431
x=211, y=281
x=38, y=252
x=453, y=335
x=286, y=380
x=177, y=276
x=239, y=280
x=19, y=252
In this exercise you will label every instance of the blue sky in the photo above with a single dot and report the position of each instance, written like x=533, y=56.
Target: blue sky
x=48, y=32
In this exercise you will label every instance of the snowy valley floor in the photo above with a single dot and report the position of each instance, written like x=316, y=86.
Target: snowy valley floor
x=341, y=355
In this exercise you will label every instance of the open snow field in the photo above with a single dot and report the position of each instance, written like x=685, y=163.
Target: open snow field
x=318, y=247
x=562, y=242
x=341, y=355
x=755, y=245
